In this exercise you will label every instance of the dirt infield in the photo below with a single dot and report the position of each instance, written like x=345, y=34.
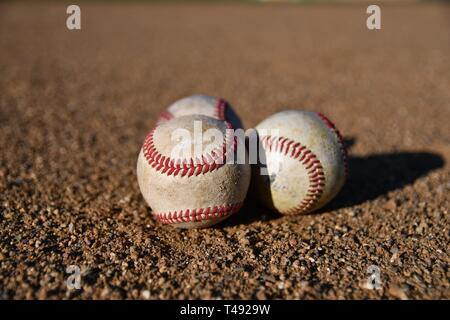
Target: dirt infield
x=75, y=107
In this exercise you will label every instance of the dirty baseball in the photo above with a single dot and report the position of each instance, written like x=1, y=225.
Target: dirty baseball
x=196, y=191
x=217, y=108
x=306, y=163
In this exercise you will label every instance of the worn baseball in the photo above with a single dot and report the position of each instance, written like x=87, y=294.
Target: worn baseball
x=305, y=159
x=213, y=107
x=194, y=191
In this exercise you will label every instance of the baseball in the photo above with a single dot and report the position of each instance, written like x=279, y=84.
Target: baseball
x=213, y=107
x=197, y=190
x=306, y=161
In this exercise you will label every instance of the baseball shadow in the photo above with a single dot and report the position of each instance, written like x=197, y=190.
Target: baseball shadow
x=252, y=211
x=369, y=177
x=375, y=175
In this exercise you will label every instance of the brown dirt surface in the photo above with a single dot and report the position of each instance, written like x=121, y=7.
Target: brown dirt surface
x=75, y=107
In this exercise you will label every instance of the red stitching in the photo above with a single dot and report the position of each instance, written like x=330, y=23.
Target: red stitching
x=192, y=215
x=189, y=167
x=164, y=116
x=331, y=125
x=311, y=163
x=220, y=110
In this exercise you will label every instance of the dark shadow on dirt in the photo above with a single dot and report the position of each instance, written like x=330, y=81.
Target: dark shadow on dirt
x=250, y=212
x=376, y=175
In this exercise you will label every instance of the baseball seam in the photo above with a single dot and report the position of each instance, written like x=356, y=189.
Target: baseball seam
x=333, y=128
x=164, y=116
x=309, y=161
x=221, y=106
x=199, y=214
x=188, y=167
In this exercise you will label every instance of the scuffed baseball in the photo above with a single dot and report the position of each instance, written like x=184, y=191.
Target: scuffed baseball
x=191, y=193
x=307, y=162
x=213, y=107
